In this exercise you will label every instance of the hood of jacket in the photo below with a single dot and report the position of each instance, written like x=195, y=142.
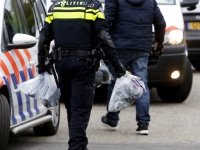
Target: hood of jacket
x=136, y=2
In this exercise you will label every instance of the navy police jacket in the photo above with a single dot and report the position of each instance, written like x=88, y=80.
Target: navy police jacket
x=130, y=23
x=76, y=24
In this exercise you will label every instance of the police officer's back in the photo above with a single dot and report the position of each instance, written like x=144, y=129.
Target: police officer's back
x=78, y=29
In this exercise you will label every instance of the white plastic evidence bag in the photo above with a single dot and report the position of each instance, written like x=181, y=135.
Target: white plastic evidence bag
x=126, y=91
x=42, y=87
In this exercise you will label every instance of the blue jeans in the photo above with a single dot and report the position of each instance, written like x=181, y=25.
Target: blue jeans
x=138, y=62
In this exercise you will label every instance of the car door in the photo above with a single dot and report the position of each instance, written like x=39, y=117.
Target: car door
x=19, y=65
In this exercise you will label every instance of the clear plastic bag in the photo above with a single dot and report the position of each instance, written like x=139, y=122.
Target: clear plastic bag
x=103, y=75
x=42, y=87
x=126, y=91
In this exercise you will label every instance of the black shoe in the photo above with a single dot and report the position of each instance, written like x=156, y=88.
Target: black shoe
x=142, y=129
x=108, y=124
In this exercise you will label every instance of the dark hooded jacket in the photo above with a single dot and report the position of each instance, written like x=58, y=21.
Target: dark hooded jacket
x=130, y=23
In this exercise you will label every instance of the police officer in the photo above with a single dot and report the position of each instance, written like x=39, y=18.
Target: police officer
x=77, y=28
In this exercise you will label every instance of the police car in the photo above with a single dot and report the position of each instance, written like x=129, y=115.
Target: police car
x=20, y=21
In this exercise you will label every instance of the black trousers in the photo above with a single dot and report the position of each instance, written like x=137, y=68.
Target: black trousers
x=77, y=84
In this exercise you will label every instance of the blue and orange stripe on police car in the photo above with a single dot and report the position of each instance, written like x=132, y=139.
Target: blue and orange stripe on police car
x=13, y=64
x=1, y=81
x=22, y=63
x=29, y=59
x=5, y=70
x=16, y=77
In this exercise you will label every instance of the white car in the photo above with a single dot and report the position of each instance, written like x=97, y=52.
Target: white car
x=20, y=21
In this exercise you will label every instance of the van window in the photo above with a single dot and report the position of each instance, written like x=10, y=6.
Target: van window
x=166, y=2
x=28, y=12
x=13, y=19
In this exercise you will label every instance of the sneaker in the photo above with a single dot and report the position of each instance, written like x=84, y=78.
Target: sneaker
x=108, y=124
x=142, y=129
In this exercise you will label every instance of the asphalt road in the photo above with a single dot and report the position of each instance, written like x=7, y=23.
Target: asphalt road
x=172, y=127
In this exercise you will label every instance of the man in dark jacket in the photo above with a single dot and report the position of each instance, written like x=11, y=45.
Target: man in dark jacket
x=130, y=24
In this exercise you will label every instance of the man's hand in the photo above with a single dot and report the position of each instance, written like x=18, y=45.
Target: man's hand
x=119, y=70
x=158, y=47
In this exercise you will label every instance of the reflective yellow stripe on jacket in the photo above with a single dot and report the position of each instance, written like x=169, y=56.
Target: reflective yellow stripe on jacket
x=74, y=13
x=49, y=18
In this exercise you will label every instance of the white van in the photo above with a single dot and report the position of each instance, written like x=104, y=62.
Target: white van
x=170, y=73
x=20, y=21
x=192, y=30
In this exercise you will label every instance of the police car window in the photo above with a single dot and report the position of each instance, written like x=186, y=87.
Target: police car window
x=3, y=43
x=36, y=14
x=42, y=11
x=166, y=2
x=13, y=19
x=39, y=12
x=29, y=14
